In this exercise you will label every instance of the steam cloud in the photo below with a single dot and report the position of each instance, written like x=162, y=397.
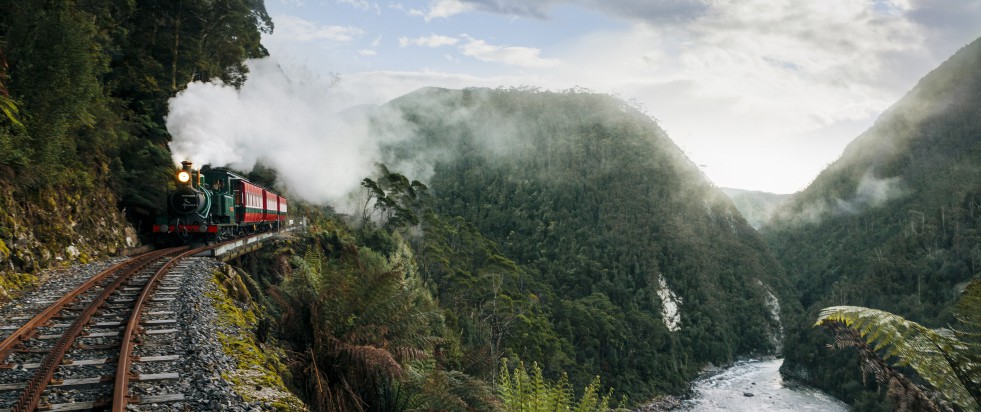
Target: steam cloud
x=291, y=120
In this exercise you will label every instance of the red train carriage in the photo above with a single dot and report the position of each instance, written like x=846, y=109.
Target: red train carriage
x=282, y=210
x=250, y=206
x=271, y=207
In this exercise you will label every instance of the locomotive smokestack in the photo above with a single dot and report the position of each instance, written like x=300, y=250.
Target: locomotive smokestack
x=186, y=165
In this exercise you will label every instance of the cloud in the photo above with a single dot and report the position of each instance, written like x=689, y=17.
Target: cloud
x=765, y=93
x=408, y=11
x=654, y=11
x=433, y=40
x=298, y=29
x=362, y=5
x=951, y=23
x=380, y=86
x=479, y=49
x=447, y=8
x=367, y=52
x=872, y=192
x=511, y=55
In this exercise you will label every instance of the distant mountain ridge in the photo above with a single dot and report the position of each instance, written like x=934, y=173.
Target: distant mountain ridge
x=894, y=224
x=756, y=206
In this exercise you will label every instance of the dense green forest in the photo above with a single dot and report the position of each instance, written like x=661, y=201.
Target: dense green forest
x=584, y=244
x=562, y=231
x=84, y=89
x=608, y=226
x=351, y=300
x=894, y=224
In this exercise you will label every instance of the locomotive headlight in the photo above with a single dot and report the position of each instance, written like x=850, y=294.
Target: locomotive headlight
x=183, y=176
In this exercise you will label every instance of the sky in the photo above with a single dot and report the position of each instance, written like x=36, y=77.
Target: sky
x=761, y=94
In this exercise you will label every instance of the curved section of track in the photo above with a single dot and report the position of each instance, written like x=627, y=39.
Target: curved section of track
x=126, y=272
x=29, y=328
x=120, y=394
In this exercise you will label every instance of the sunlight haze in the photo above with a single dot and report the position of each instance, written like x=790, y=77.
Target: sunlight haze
x=761, y=94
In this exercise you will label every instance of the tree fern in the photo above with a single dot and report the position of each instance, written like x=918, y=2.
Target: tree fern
x=362, y=322
x=948, y=359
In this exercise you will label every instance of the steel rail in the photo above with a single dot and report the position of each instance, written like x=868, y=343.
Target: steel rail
x=27, y=330
x=31, y=395
x=120, y=392
x=30, y=398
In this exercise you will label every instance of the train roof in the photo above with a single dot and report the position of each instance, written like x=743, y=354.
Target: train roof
x=210, y=170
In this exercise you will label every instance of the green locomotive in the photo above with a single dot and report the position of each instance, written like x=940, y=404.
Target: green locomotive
x=213, y=204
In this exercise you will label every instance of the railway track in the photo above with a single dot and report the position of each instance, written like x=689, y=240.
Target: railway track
x=77, y=352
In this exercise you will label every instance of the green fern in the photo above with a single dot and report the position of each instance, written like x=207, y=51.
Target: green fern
x=948, y=359
x=521, y=391
x=10, y=110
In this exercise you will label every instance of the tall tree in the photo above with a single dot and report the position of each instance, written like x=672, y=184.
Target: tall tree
x=56, y=63
x=160, y=47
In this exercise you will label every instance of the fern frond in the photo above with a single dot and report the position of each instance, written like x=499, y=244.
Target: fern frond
x=968, y=308
x=371, y=360
x=906, y=343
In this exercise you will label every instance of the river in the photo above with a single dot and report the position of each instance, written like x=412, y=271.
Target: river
x=756, y=386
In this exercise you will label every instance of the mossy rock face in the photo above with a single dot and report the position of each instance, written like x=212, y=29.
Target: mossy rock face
x=232, y=282
x=260, y=372
x=24, y=260
x=4, y=252
x=12, y=282
x=63, y=225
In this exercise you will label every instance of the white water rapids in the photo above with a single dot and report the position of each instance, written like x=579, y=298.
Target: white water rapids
x=730, y=390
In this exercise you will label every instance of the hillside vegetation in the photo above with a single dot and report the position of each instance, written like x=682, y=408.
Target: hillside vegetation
x=627, y=263
x=83, y=92
x=562, y=231
x=894, y=224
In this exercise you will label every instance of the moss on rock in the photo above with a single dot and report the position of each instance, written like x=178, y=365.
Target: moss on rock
x=67, y=224
x=259, y=375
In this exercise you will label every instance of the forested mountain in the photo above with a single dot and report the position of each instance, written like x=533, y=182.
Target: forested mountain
x=756, y=207
x=627, y=262
x=894, y=224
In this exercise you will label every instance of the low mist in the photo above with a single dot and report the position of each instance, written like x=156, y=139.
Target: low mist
x=289, y=119
x=871, y=192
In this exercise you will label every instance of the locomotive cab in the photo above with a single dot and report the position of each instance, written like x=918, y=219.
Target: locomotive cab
x=223, y=191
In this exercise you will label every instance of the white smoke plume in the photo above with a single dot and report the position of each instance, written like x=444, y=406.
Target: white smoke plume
x=291, y=120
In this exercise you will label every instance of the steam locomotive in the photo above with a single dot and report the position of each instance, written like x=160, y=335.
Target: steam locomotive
x=214, y=204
